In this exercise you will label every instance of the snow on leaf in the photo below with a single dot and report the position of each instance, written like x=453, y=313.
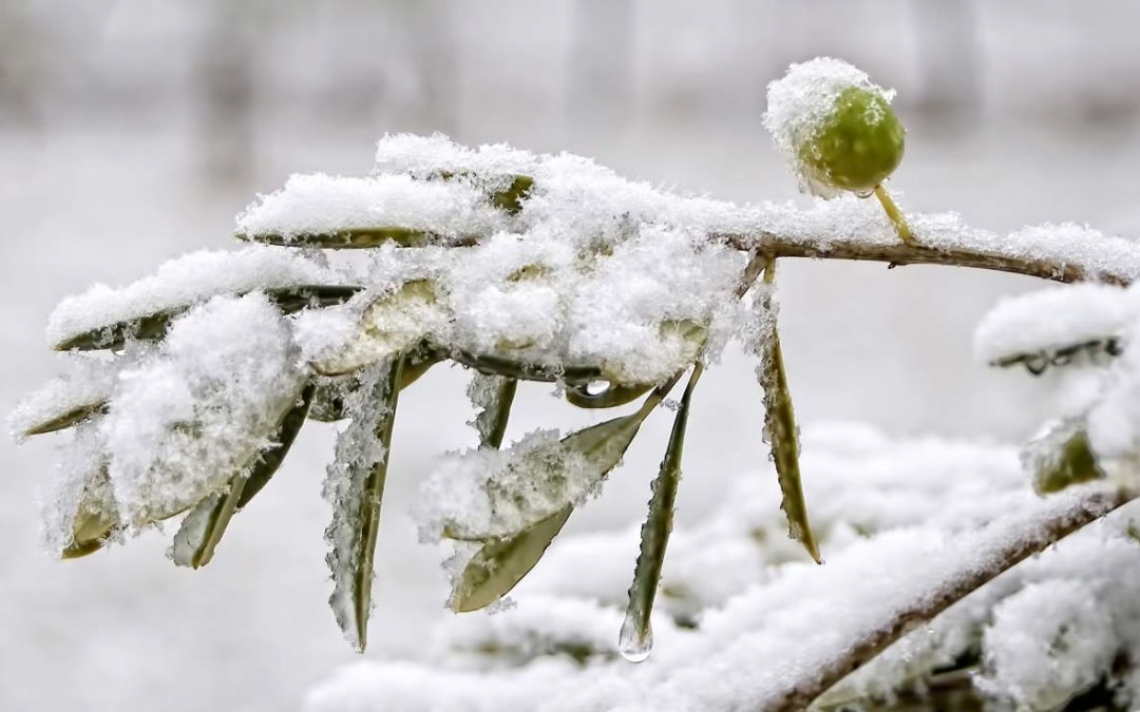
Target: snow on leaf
x=492, y=397
x=489, y=494
x=1052, y=326
x=182, y=421
x=204, y=526
x=636, y=639
x=780, y=429
x=104, y=316
x=355, y=486
x=331, y=211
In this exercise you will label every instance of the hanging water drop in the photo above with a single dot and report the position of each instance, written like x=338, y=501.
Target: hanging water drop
x=636, y=640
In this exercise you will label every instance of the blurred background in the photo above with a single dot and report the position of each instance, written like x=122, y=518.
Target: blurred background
x=132, y=131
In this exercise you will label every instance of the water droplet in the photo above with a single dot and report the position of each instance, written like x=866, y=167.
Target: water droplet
x=597, y=388
x=864, y=194
x=634, y=643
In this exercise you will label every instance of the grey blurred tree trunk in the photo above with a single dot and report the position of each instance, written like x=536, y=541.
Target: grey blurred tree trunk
x=22, y=75
x=430, y=46
x=225, y=90
x=601, y=80
x=949, y=58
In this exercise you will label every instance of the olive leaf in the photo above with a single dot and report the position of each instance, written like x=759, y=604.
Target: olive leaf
x=563, y=471
x=501, y=563
x=347, y=238
x=1037, y=362
x=636, y=632
x=1062, y=457
x=204, y=526
x=504, y=559
x=493, y=395
x=393, y=324
x=152, y=327
x=497, y=365
x=355, y=487
x=73, y=415
x=511, y=199
x=780, y=427
x=95, y=518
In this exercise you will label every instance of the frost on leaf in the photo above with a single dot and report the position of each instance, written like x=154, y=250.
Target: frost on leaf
x=780, y=430
x=79, y=510
x=487, y=493
x=492, y=397
x=354, y=487
x=184, y=421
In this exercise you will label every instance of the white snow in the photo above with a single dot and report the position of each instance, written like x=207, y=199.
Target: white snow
x=182, y=423
x=1050, y=319
x=896, y=531
x=89, y=385
x=322, y=204
x=183, y=282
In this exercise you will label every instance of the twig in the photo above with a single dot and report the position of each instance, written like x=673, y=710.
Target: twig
x=800, y=693
x=898, y=254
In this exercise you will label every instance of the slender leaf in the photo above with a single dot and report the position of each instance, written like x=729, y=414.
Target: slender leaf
x=780, y=426
x=636, y=638
x=204, y=526
x=153, y=327
x=501, y=563
x=349, y=238
x=73, y=416
x=493, y=396
x=94, y=519
x=355, y=487
x=1062, y=457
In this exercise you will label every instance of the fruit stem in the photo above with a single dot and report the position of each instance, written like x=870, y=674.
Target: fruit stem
x=894, y=214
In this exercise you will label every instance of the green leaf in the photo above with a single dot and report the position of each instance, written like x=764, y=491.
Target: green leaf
x=636, y=638
x=94, y=519
x=69, y=418
x=494, y=365
x=501, y=563
x=349, y=238
x=271, y=458
x=511, y=199
x=493, y=395
x=355, y=488
x=783, y=436
x=1062, y=458
x=204, y=526
x=153, y=327
x=395, y=323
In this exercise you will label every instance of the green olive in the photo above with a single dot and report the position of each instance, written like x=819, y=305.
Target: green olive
x=857, y=145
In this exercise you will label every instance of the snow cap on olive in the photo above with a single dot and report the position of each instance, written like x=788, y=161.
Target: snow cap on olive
x=836, y=127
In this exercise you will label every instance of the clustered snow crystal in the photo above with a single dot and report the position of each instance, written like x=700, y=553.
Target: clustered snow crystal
x=743, y=614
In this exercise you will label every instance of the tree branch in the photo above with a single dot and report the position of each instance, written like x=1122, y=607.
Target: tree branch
x=800, y=693
x=899, y=254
